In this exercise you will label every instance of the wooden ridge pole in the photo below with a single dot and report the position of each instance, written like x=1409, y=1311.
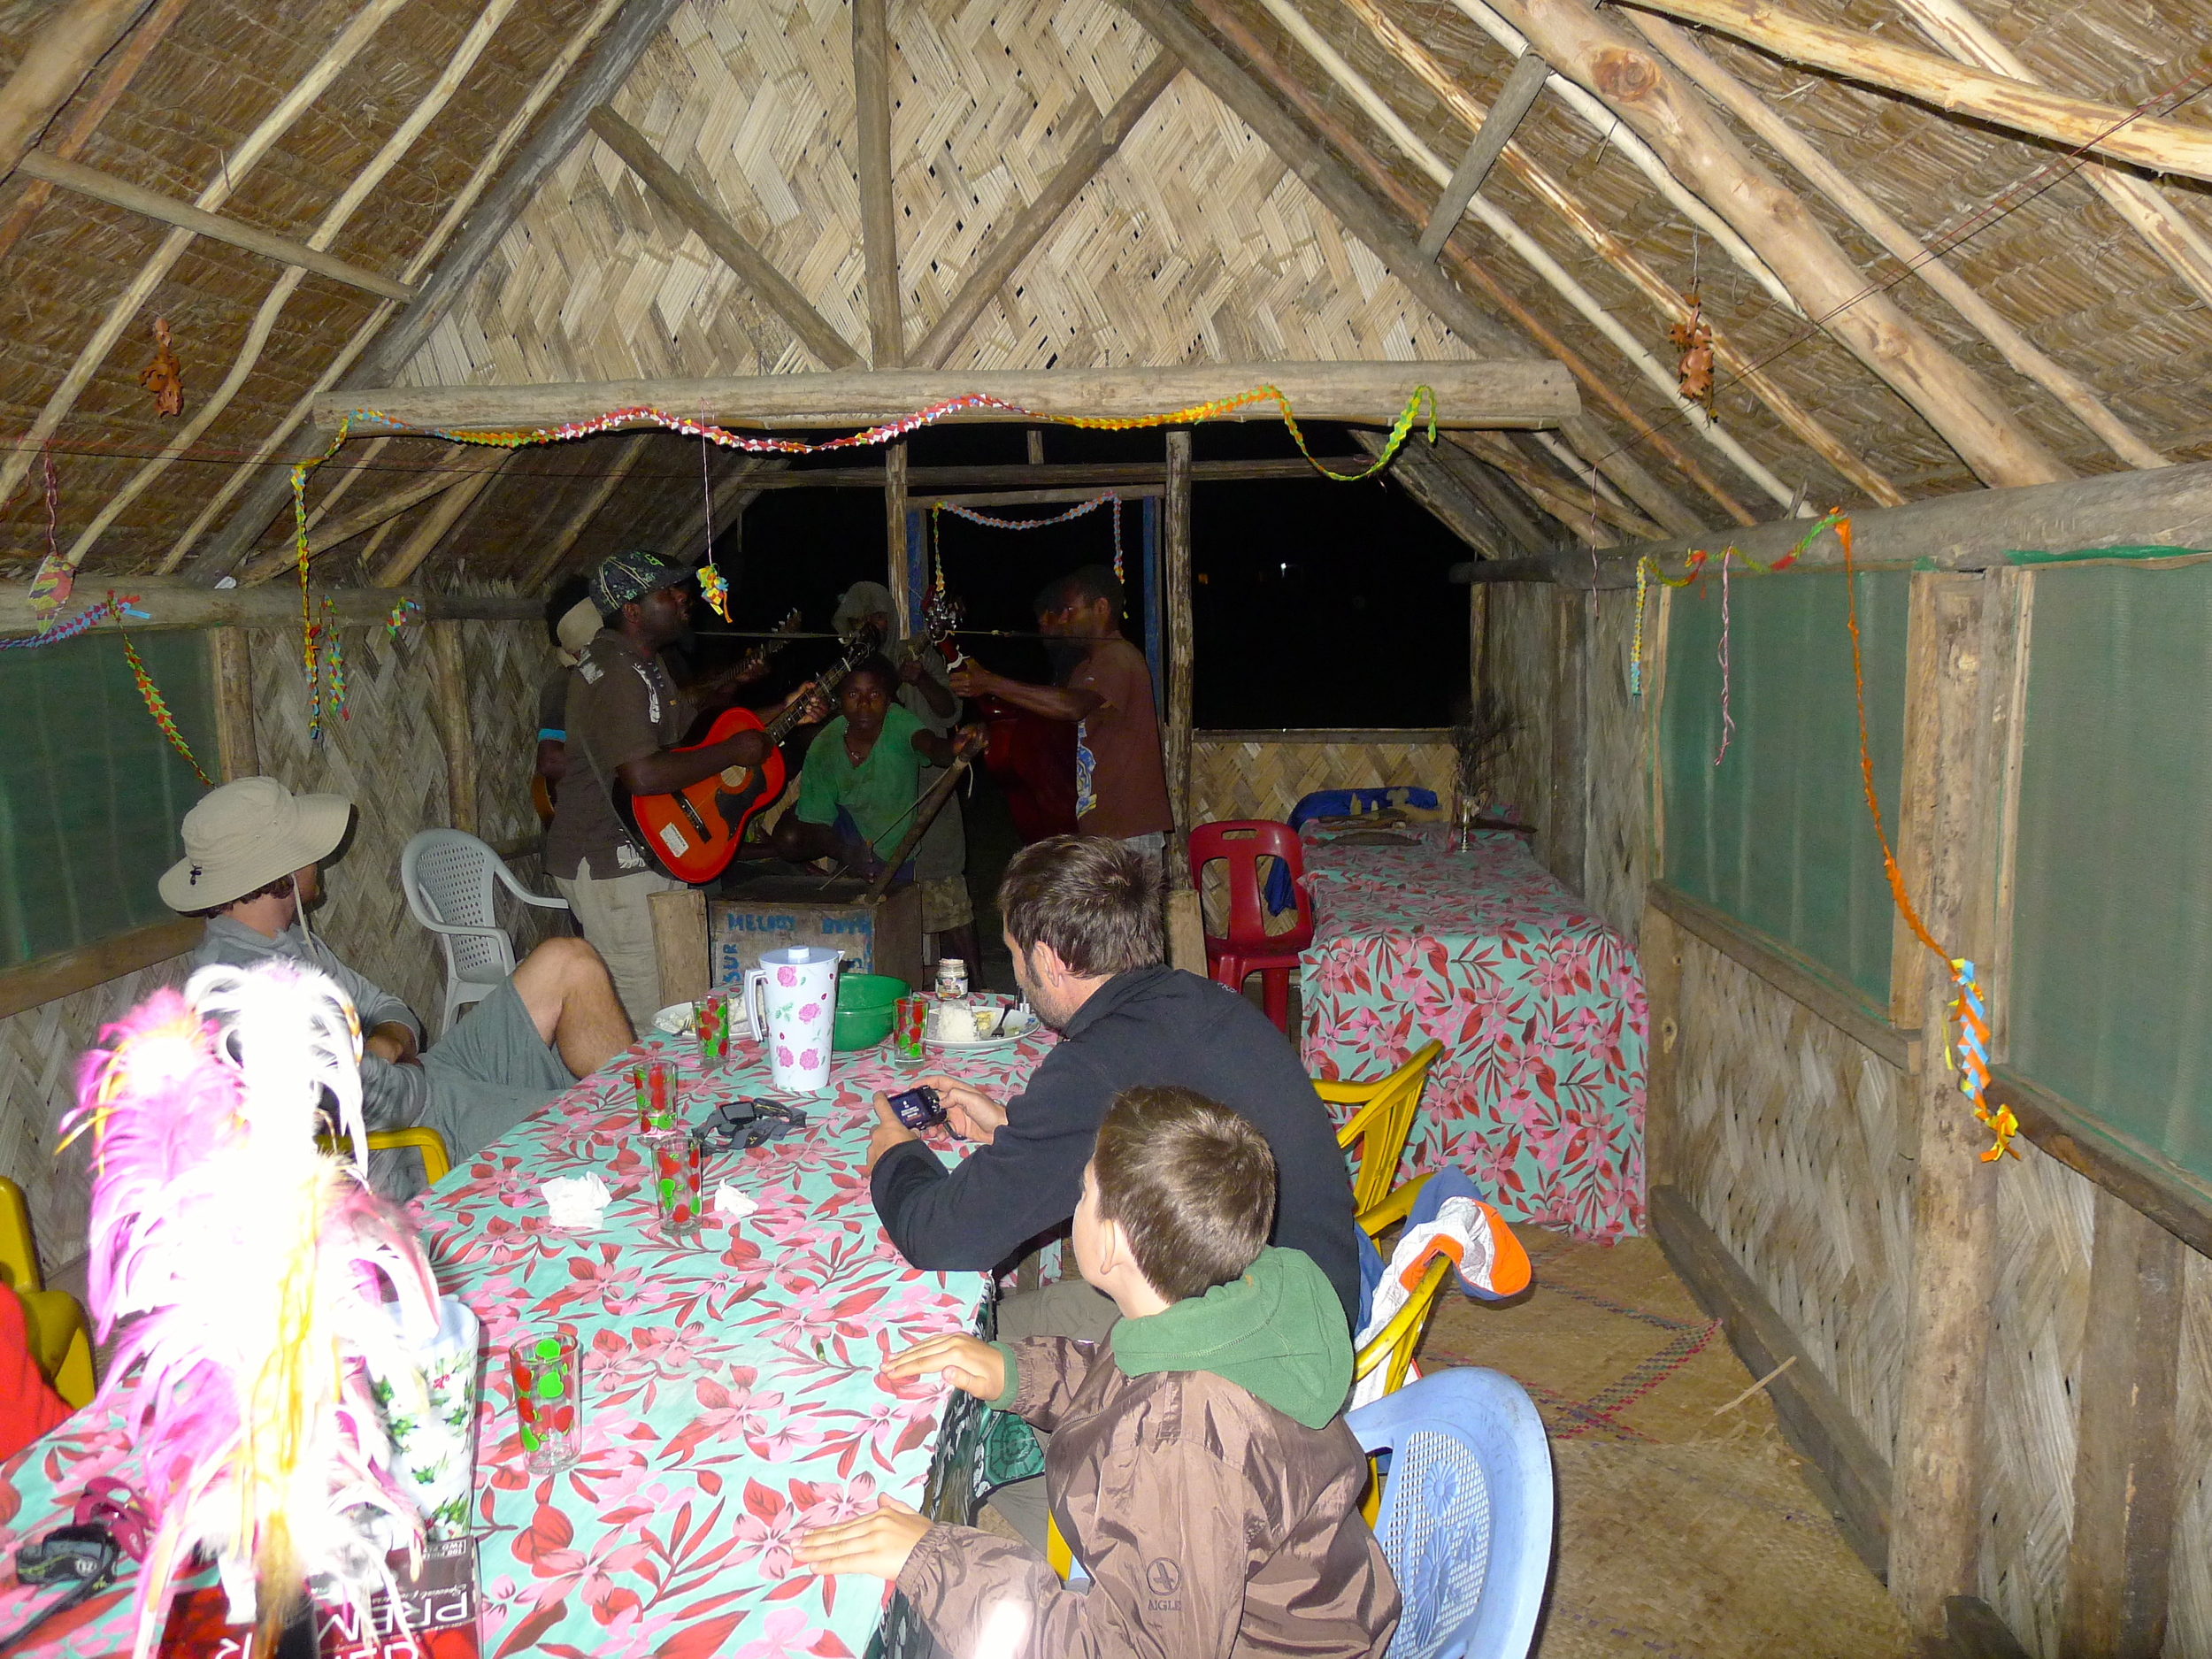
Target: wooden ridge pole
x=878, y=217
x=723, y=239
x=2017, y=107
x=1635, y=83
x=53, y=64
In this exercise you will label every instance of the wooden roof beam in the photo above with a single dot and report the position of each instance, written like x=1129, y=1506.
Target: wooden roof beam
x=2018, y=106
x=53, y=66
x=451, y=470
x=1662, y=295
x=482, y=212
x=1636, y=83
x=878, y=217
x=1870, y=216
x=1358, y=203
x=1516, y=99
x=556, y=555
x=423, y=540
x=1521, y=392
x=723, y=239
x=1093, y=146
x=1450, y=503
x=2140, y=202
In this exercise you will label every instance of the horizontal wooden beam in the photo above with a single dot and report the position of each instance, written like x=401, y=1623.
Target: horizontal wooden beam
x=1527, y=393
x=2018, y=106
x=2142, y=1180
x=1056, y=475
x=1847, y=1471
x=67, y=973
x=1972, y=530
x=173, y=603
x=105, y=186
x=1317, y=735
x=1032, y=497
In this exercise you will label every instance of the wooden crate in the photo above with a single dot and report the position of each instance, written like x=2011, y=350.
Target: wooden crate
x=879, y=936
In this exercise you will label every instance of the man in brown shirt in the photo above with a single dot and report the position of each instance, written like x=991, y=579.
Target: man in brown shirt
x=1120, y=782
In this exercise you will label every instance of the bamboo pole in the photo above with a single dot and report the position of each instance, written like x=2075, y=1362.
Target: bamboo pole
x=56, y=60
x=2017, y=107
x=2140, y=202
x=1665, y=297
x=230, y=654
x=1531, y=252
x=174, y=604
x=556, y=555
x=1095, y=143
x=501, y=191
x=1870, y=217
x=723, y=239
x=123, y=64
x=925, y=812
x=240, y=162
x=879, y=219
x=424, y=539
x=894, y=510
x=1950, y=396
x=449, y=681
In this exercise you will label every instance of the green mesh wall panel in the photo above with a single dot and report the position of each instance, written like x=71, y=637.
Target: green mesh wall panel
x=2112, y=908
x=1776, y=834
x=90, y=791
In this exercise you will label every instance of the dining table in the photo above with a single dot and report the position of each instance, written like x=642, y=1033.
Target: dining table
x=732, y=1393
x=1537, y=1094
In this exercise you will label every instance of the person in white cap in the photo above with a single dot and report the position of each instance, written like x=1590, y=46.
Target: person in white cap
x=250, y=867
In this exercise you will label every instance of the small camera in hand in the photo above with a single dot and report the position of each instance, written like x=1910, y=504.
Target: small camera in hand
x=918, y=1108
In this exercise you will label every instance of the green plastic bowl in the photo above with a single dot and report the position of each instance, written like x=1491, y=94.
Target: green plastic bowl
x=867, y=1003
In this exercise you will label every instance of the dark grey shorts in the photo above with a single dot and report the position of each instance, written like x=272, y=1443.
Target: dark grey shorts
x=489, y=1072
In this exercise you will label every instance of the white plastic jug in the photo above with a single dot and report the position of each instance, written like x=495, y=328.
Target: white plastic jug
x=790, y=1001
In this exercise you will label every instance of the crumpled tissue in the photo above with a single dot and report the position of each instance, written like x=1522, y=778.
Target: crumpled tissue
x=577, y=1204
x=731, y=1202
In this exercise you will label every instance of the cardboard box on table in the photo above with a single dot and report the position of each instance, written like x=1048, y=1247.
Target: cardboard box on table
x=707, y=944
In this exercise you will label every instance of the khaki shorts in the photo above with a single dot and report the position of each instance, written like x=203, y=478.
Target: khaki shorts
x=946, y=904
x=616, y=913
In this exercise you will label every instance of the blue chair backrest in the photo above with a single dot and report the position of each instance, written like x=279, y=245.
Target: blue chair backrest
x=1466, y=1520
x=1339, y=804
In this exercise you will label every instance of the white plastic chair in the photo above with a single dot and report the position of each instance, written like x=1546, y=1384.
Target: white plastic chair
x=447, y=876
x=1466, y=1518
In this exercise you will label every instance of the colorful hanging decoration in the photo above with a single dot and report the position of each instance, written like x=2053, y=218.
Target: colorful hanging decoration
x=1648, y=568
x=405, y=611
x=158, y=706
x=333, y=665
x=1693, y=339
x=110, y=607
x=163, y=377
x=1727, y=720
x=49, y=588
x=713, y=588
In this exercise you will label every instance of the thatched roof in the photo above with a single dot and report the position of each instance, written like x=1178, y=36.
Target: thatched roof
x=538, y=254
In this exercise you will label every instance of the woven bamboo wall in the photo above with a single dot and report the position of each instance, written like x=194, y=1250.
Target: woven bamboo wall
x=1262, y=775
x=1517, y=668
x=1795, y=1144
x=2189, y=1625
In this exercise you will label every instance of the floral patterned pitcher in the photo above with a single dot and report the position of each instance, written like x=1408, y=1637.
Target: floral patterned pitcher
x=798, y=986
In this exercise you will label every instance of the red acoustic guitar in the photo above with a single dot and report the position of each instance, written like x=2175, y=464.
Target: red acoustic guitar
x=695, y=831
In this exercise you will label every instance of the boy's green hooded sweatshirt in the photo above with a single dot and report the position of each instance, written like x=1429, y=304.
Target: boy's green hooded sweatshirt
x=1277, y=1333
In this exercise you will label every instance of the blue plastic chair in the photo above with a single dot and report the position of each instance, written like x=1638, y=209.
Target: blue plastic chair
x=1466, y=1520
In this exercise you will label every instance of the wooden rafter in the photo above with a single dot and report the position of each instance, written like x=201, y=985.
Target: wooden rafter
x=1637, y=84
x=2140, y=202
x=1092, y=145
x=68, y=145
x=1516, y=99
x=1589, y=515
x=1663, y=296
x=1358, y=203
x=451, y=470
x=1449, y=501
x=1870, y=216
x=555, y=555
x=342, y=478
x=444, y=513
x=621, y=30
x=2018, y=106
x=879, y=219
x=723, y=239
x=54, y=63
x=235, y=165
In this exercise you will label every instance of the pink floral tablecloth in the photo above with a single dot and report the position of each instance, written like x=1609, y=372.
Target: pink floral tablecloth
x=732, y=1396
x=1539, y=1095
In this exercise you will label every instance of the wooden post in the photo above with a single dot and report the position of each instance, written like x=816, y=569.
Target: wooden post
x=879, y=219
x=1566, y=826
x=1186, y=923
x=230, y=661
x=1659, y=949
x=1478, y=640
x=895, y=535
x=679, y=943
x=450, y=678
x=1941, y=1465
x=2118, y=1563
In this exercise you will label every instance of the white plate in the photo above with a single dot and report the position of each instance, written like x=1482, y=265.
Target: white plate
x=675, y=1020
x=995, y=1042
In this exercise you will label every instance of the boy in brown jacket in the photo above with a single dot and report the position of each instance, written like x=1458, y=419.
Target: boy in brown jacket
x=1199, y=1471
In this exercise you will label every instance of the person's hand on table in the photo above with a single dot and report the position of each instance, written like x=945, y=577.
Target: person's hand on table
x=876, y=1544
x=969, y=1112
x=392, y=1041
x=888, y=1132
x=969, y=1364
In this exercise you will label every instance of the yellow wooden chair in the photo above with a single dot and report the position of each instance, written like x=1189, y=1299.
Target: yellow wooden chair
x=436, y=1163
x=60, y=1338
x=1381, y=1127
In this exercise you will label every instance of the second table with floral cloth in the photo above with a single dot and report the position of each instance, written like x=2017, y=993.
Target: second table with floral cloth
x=732, y=1396
x=1539, y=1094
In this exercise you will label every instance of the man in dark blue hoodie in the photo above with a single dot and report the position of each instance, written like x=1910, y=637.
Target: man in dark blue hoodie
x=1082, y=917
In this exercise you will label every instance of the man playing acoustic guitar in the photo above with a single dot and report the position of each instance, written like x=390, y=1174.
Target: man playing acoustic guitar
x=624, y=716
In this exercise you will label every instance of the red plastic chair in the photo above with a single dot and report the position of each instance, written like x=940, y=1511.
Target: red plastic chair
x=1248, y=947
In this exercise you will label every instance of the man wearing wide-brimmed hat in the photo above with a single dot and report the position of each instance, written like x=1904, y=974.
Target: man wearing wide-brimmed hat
x=252, y=851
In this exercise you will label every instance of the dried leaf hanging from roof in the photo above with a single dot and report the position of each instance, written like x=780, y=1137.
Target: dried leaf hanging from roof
x=163, y=377
x=1694, y=373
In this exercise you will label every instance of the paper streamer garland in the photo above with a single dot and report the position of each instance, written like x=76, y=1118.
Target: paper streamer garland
x=1648, y=566
x=158, y=707
x=405, y=611
x=126, y=606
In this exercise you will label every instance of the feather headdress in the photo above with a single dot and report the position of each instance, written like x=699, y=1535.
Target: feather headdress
x=251, y=1270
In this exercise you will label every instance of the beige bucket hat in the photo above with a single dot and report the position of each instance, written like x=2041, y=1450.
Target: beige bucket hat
x=578, y=628
x=246, y=834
